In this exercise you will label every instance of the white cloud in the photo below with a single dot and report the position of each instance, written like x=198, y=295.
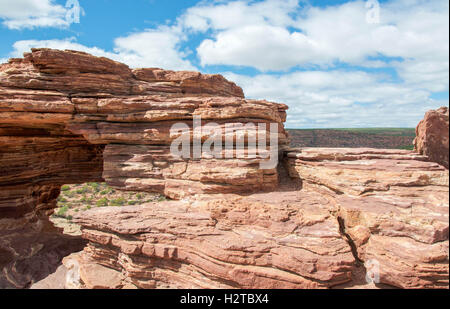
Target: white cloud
x=340, y=98
x=238, y=14
x=261, y=46
x=408, y=29
x=20, y=14
x=155, y=47
x=135, y=50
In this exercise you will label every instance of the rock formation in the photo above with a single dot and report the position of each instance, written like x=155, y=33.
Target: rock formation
x=392, y=204
x=432, y=136
x=69, y=117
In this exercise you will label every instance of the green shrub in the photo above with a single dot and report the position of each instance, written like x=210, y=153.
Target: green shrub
x=102, y=202
x=65, y=188
x=95, y=186
x=139, y=196
x=120, y=201
x=62, y=199
x=161, y=198
x=86, y=199
x=133, y=202
x=69, y=193
x=82, y=190
x=62, y=211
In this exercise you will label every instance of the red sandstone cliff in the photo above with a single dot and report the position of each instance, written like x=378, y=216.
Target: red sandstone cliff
x=69, y=117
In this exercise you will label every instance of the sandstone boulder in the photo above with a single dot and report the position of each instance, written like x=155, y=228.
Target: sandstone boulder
x=432, y=136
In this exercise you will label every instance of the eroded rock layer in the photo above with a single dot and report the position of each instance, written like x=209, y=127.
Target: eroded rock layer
x=69, y=117
x=392, y=204
x=73, y=95
x=432, y=136
x=267, y=240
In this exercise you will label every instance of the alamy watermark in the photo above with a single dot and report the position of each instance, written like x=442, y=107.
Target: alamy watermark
x=73, y=12
x=372, y=271
x=229, y=140
x=373, y=12
x=73, y=275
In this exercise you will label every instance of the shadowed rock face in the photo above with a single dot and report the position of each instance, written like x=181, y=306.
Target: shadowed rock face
x=432, y=136
x=68, y=117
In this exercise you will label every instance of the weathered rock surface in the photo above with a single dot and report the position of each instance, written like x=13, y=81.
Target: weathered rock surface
x=69, y=117
x=432, y=136
x=393, y=205
x=266, y=240
x=31, y=253
x=71, y=95
x=382, y=208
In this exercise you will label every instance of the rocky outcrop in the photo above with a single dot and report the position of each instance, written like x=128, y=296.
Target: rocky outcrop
x=267, y=240
x=432, y=136
x=69, y=117
x=129, y=114
x=342, y=212
x=392, y=204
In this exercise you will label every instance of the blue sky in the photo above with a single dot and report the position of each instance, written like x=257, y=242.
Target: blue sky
x=335, y=63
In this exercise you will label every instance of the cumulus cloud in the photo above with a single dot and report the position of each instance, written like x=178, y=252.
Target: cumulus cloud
x=20, y=14
x=411, y=41
x=340, y=99
x=135, y=50
x=237, y=14
x=154, y=47
x=318, y=35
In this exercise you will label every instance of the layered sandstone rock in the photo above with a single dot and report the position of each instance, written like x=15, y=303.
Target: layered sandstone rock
x=393, y=205
x=130, y=113
x=351, y=213
x=267, y=240
x=432, y=136
x=69, y=117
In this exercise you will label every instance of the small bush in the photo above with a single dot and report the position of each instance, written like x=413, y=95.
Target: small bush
x=65, y=188
x=62, y=199
x=69, y=193
x=82, y=190
x=120, y=201
x=102, y=202
x=133, y=202
x=62, y=211
x=95, y=186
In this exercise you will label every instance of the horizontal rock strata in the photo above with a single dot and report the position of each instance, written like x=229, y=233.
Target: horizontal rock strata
x=392, y=204
x=267, y=240
x=69, y=117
